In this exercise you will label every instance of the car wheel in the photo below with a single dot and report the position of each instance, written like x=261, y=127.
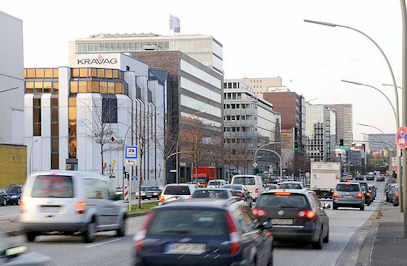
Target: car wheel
x=319, y=243
x=334, y=206
x=270, y=262
x=362, y=208
x=30, y=236
x=89, y=234
x=326, y=239
x=121, y=231
x=4, y=202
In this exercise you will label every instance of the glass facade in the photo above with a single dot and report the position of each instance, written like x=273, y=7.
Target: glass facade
x=120, y=46
x=72, y=126
x=41, y=80
x=36, y=117
x=54, y=133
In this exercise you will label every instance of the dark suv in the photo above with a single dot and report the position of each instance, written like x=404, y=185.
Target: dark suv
x=348, y=194
x=3, y=197
x=203, y=232
x=296, y=215
x=14, y=194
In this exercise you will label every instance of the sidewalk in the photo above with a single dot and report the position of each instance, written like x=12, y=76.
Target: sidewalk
x=389, y=246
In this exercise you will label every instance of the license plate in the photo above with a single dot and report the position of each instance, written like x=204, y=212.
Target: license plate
x=187, y=248
x=349, y=197
x=49, y=209
x=155, y=194
x=282, y=221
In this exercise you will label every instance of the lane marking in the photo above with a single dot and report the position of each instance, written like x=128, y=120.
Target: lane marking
x=104, y=243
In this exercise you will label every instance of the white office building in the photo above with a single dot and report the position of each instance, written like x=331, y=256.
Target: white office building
x=101, y=102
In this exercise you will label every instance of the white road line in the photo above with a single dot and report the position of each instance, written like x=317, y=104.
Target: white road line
x=104, y=243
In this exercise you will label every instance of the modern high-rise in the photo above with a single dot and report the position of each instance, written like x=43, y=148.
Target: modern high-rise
x=13, y=156
x=379, y=142
x=320, y=132
x=291, y=106
x=194, y=113
x=203, y=48
x=249, y=122
x=344, y=122
x=81, y=117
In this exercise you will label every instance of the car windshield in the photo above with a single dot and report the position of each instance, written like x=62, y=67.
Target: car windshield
x=177, y=190
x=290, y=186
x=235, y=187
x=13, y=189
x=52, y=186
x=196, y=222
x=347, y=188
x=213, y=194
x=285, y=201
x=214, y=183
x=244, y=180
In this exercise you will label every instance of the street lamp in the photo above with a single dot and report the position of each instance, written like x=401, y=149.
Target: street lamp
x=395, y=113
x=365, y=125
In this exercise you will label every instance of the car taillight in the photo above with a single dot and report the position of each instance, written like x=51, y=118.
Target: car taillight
x=259, y=212
x=396, y=195
x=257, y=191
x=233, y=235
x=141, y=234
x=240, y=195
x=80, y=207
x=360, y=195
x=335, y=195
x=309, y=214
x=190, y=197
x=367, y=193
x=22, y=210
x=162, y=199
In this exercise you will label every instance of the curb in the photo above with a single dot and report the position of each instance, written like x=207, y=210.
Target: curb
x=351, y=255
x=137, y=214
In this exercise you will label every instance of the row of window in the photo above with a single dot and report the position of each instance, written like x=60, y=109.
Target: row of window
x=238, y=117
x=104, y=73
x=120, y=46
x=41, y=86
x=232, y=96
x=238, y=106
x=41, y=73
x=236, y=129
x=230, y=85
x=96, y=86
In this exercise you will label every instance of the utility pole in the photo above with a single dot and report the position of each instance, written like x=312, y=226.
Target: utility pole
x=404, y=97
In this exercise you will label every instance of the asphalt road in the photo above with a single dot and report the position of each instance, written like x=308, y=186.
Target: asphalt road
x=110, y=250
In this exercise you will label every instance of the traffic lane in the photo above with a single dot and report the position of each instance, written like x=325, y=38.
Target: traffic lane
x=343, y=223
x=71, y=250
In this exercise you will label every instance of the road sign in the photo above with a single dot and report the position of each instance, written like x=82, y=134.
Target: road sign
x=131, y=152
x=254, y=164
x=401, y=137
x=131, y=161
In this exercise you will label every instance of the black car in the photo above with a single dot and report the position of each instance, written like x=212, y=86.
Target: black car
x=3, y=197
x=212, y=193
x=241, y=192
x=203, y=232
x=296, y=215
x=14, y=194
x=151, y=192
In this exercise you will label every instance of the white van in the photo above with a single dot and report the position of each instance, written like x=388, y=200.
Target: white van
x=253, y=183
x=173, y=192
x=217, y=183
x=70, y=202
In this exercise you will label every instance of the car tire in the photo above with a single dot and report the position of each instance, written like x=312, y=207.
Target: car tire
x=30, y=236
x=334, y=206
x=121, y=231
x=270, y=262
x=319, y=244
x=326, y=238
x=4, y=202
x=89, y=234
x=362, y=208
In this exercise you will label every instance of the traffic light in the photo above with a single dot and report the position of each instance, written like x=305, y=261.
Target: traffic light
x=295, y=146
x=341, y=143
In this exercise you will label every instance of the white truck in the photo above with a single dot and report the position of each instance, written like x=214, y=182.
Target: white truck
x=324, y=177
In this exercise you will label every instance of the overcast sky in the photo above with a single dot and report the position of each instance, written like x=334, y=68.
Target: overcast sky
x=260, y=39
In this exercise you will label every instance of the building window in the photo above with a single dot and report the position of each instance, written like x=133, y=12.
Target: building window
x=72, y=127
x=109, y=109
x=234, y=85
x=229, y=85
x=37, y=117
x=54, y=133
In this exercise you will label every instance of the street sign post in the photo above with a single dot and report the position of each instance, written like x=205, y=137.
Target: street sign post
x=131, y=155
x=401, y=137
x=255, y=165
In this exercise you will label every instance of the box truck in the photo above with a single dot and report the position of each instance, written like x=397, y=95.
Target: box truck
x=324, y=177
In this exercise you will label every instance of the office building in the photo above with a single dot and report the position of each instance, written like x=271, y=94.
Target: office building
x=81, y=117
x=379, y=142
x=344, y=122
x=320, y=132
x=13, y=158
x=203, y=48
x=195, y=112
x=262, y=85
x=249, y=123
x=291, y=106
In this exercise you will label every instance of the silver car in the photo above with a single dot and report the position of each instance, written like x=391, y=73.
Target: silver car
x=348, y=194
x=70, y=202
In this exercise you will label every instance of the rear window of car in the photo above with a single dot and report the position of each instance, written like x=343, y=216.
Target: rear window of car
x=177, y=190
x=52, y=186
x=244, y=180
x=212, y=194
x=214, y=183
x=232, y=187
x=196, y=222
x=14, y=189
x=275, y=201
x=347, y=188
x=290, y=186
